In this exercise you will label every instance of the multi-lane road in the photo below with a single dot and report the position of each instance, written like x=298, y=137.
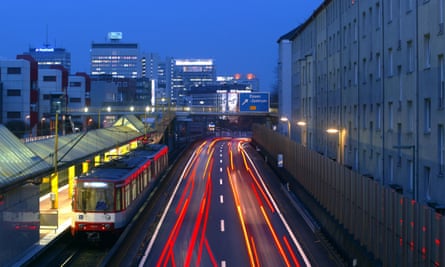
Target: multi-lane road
x=223, y=214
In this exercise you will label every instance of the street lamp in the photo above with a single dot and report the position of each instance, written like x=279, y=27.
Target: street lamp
x=87, y=119
x=303, y=135
x=285, y=119
x=332, y=130
x=41, y=126
x=27, y=118
x=301, y=123
x=340, y=142
x=147, y=109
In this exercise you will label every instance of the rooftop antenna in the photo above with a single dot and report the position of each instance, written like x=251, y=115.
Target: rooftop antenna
x=46, y=44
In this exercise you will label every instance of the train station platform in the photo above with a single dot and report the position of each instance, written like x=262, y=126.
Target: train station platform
x=60, y=221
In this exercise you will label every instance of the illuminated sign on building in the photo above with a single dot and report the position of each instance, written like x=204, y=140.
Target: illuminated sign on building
x=193, y=62
x=44, y=49
x=115, y=35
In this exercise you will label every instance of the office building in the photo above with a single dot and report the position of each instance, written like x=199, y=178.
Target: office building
x=115, y=58
x=159, y=73
x=189, y=73
x=249, y=81
x=47, y=57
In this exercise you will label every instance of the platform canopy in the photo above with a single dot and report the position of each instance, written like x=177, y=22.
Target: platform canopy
x=20, y=161
x=17, y=161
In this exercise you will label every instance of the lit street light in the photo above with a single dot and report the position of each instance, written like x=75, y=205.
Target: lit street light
x=340, y=142
x=304, y=130
x=285, y=119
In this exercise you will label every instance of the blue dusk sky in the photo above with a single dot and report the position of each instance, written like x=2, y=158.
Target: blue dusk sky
x=240, y=35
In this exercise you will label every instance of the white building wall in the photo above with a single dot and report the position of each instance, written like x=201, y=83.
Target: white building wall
x=76, y=93
x=16, y=105
x=48, y=88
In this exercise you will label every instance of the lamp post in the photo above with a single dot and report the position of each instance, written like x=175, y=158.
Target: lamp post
x=302, y=125
x=285, y=119
x=340, y=142
x=147, y=108
x=41, y=125
x=86, y=120
x=27, y=118
x=108, y=119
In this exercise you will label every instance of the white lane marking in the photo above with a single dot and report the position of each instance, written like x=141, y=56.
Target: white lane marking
x=221, y=199
x=164, y=214
x=222, y=225
x=289, y=230
x=220, y=161
x=220, y=169
x=220, y=155
x=220, y=181
x=223, y=263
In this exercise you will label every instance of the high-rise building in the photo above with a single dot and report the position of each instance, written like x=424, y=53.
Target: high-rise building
x=158, y=72
x=189, y=73
x=47, y=57
x=249, y=81
x=115, y=58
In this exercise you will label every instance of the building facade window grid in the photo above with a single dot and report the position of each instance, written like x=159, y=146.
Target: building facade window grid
x=385, y=70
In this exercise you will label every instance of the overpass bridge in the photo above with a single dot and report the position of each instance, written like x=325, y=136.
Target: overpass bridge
x=180, y=120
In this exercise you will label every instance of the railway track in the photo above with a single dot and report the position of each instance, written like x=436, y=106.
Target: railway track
x=65, y=251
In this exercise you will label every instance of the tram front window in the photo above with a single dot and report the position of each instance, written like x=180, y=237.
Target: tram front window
x=94, y=196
